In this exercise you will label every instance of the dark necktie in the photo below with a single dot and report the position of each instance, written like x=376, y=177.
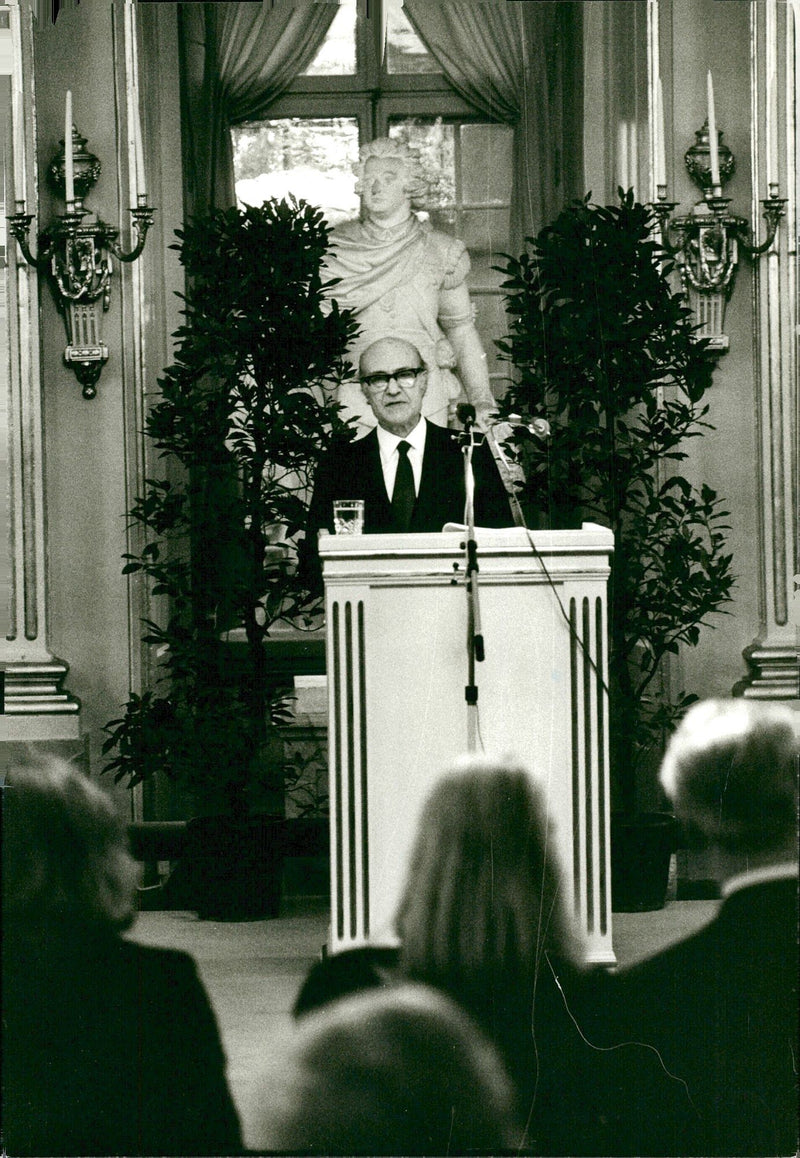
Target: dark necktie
x=403, y=495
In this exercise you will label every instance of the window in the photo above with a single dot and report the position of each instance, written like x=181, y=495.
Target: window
x=348, y=96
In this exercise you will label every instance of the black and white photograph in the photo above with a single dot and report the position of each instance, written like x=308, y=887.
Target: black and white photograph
x=399, y=578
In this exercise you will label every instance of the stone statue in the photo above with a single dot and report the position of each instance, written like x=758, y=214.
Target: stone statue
x=406, y=280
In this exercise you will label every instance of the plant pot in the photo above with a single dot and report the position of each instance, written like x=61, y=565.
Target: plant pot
x=641, y=847
x=154, y=840
x=306, y=870
x=235, y=867
x=307, y=836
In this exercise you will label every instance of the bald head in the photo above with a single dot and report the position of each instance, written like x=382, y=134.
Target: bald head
x=394, y=380
x=374, y=356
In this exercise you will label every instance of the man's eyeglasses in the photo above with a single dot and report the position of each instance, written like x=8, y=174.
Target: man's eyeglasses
x=405, y=378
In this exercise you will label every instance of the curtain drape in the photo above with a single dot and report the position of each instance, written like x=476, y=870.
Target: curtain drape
x=520, y=63
x=237, y=58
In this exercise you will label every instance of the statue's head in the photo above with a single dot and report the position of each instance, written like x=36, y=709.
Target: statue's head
x=384, y=148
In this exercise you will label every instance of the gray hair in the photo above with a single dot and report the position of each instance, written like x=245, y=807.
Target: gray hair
x=385, y=148
x=731, y=769
x=401, y=1070
x=65, y=855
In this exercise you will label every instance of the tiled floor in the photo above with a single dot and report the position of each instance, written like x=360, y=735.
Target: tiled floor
x=253, y=969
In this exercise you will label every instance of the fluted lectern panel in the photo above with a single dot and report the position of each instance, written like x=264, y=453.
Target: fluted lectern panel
x=397, y=669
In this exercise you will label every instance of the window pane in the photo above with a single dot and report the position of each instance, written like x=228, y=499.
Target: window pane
x=405, y=52
x=485, y=233
x=469, y=167
x=486, y=163
x=312, y=158
x=492, y=323
x=337, y=55
x=434, y=141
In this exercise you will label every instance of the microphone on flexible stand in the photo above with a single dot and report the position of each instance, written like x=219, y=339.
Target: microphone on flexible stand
x=465, y=413
x=539, y=427
x=510, y=470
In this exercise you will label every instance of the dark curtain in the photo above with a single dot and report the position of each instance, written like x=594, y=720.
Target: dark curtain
x=237, y=58
x=520, y=63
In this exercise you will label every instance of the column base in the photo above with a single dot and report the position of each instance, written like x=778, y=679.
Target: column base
x=774, y=673
x=36, y=706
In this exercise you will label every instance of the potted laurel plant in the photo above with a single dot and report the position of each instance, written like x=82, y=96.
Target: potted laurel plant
x=239, y=425
x=605, y=350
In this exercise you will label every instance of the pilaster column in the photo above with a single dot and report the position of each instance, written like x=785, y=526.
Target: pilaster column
x=37, y=707
x=773, y=658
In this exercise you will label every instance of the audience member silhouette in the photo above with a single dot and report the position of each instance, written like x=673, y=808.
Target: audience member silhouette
x=484, y=919
x=109, y=1047
x=395, y=1071
x=715, y=1016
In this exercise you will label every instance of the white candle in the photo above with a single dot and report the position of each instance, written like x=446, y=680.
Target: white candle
x=712, y=132
x=141, y=185
x=661, y=162
x=622, y=154
x=69, y=172
x=771, y=119
x=18, y=145
x=18, y=114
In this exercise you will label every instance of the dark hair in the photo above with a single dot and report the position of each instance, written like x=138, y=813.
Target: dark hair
x=393, y=1071
x=65, y=856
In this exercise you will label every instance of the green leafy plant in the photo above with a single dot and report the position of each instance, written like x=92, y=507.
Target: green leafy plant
x=606, y=352
x=242, y=419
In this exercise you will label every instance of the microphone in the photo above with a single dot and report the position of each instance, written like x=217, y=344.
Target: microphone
x=465, y=412
x=538, y=427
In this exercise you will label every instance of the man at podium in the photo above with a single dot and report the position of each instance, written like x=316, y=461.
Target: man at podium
x=408, y=471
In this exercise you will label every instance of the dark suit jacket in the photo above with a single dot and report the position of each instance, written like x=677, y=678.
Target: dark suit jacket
x=353, y=471
x=721, y=1010
x=109, y=1048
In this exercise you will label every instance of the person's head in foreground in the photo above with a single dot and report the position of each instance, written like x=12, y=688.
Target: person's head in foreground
x=393, y=381
x=731, y=771
x=65, y=856
x=483, y=898
x=392, y=1071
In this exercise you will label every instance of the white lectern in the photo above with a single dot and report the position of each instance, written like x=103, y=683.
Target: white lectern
x=396, y=616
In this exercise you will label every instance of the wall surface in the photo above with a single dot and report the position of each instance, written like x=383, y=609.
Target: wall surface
x=696, y=35
x=94, y=456
x=94, y=453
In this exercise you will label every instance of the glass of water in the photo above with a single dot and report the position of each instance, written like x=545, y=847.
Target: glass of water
x=348, y=516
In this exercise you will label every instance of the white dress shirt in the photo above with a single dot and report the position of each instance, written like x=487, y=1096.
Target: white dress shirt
x=388, y=444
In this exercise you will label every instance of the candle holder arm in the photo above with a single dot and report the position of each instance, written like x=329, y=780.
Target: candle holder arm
x=774, y=208
x=19, y=226
x=142, y=220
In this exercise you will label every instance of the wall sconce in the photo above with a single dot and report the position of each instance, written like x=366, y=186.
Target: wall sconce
x=705, y=242
x=77, y=255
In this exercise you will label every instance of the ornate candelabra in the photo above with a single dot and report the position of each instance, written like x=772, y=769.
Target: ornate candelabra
x=77, y=255
x=705, y=242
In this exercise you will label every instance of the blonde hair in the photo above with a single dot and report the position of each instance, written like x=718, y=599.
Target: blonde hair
x=731, y=770
x=483, y=898
x=385, y=148
x=65, y=855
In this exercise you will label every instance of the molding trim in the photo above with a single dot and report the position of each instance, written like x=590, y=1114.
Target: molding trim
x=774, y=673
x=772, y=658
x=36, y=706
